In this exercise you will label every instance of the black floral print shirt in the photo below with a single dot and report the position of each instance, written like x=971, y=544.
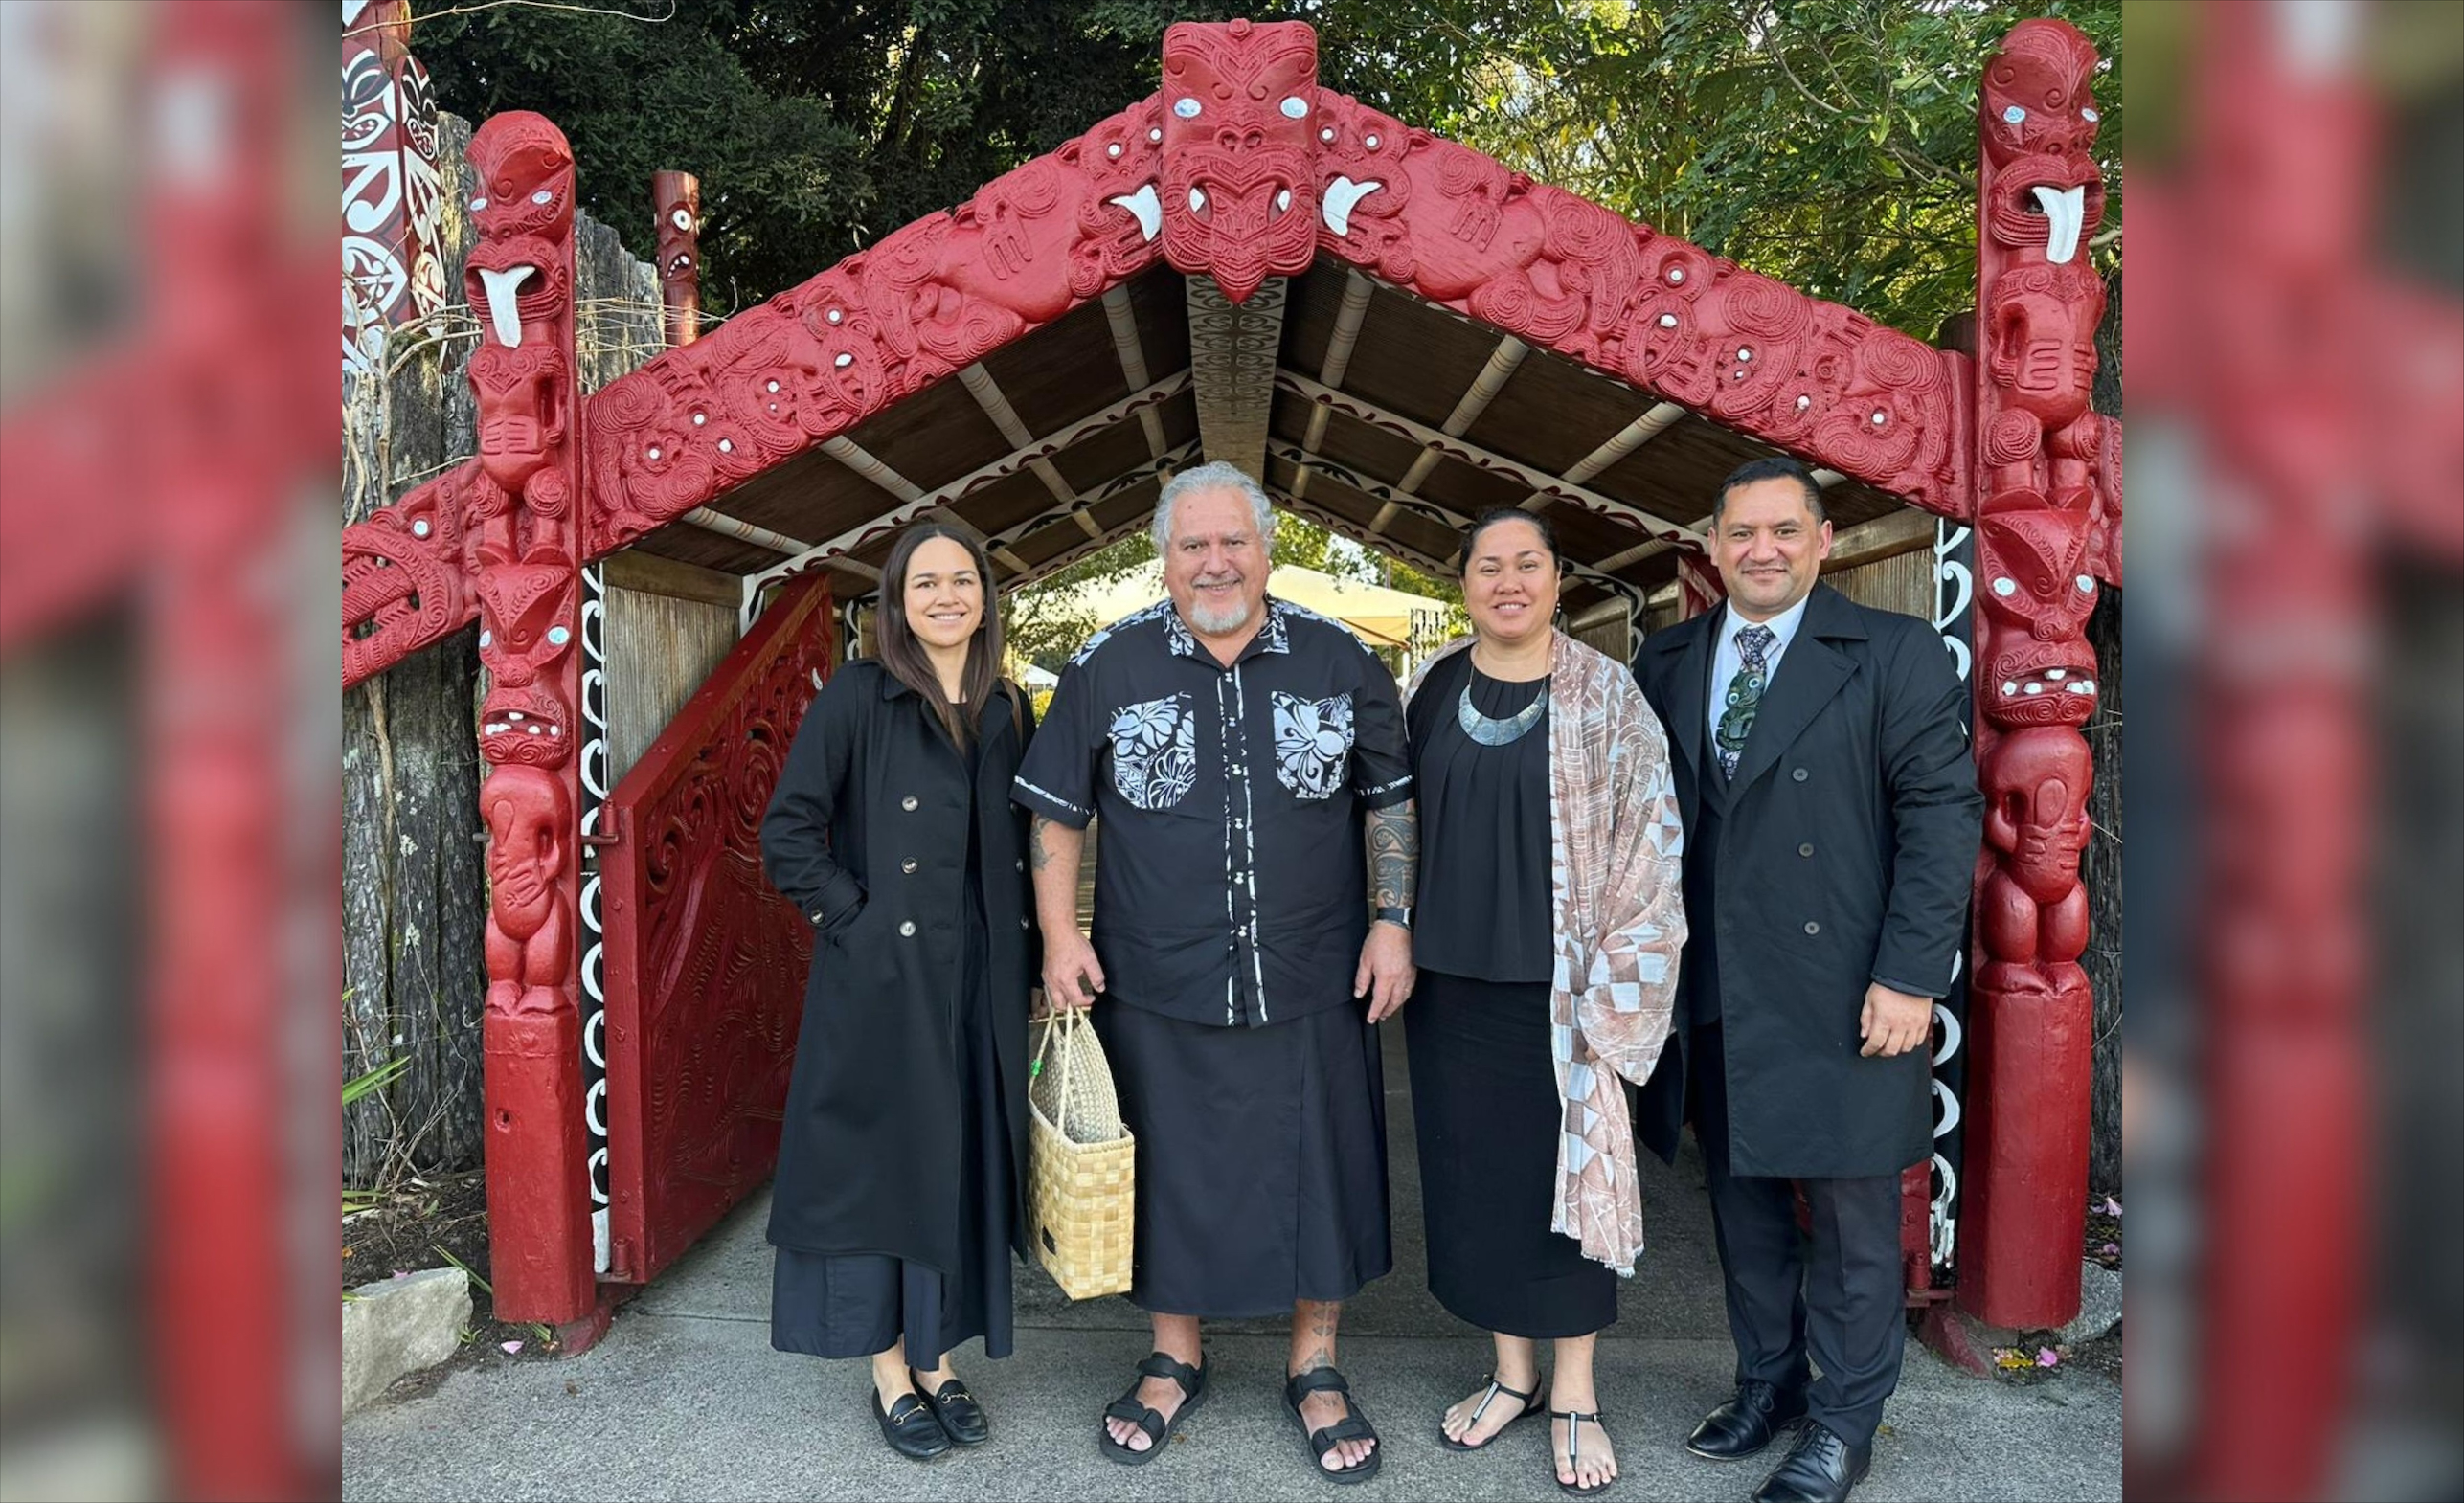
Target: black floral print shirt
x=1231, y=880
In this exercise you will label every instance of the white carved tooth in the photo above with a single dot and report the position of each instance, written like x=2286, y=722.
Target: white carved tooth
x=1148, y=210
x=2036, y=688
x=2064, y=208
x=2081, y=687
x=513, y=714
x=2057, y=673
x=1336, y=206
x=500, y=284
x=2009, y=689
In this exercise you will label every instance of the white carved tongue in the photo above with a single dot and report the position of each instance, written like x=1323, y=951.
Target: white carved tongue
x=1142, y=203
x=501, y=285
x=1335, y=204
x=2065, y=210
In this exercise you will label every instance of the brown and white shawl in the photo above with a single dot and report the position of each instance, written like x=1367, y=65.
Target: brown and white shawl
x=1617, y=903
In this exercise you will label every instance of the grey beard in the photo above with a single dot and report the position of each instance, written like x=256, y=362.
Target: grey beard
x=1218, y=623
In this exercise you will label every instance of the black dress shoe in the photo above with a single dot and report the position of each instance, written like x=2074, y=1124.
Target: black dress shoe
x=1820, y=1468
x=909, y=1427
x=958, y=1411
x=1746, y=1423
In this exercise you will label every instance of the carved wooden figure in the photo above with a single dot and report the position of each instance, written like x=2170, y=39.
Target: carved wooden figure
x=528, y=558
x=676, y=211
x=2042, y=515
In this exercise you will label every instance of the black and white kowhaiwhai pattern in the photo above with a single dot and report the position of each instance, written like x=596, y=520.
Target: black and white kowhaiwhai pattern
x=1313, y=743
x=1155, y=751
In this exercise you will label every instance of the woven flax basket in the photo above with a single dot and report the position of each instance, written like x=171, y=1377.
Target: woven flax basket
x=1081, y=1163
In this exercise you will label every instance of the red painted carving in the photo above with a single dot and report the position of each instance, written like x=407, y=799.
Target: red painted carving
x=1457, y=228
x=526, y=557
x=706, y=961
x=392, y=245
x=886, y=322
x=530, y=942
x=2046, y=530
x=1240, y=181
x=676, y=211
x=404, y=584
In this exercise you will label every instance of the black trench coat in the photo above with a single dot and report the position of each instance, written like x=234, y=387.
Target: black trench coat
x=867, y=835
x=1845, y=857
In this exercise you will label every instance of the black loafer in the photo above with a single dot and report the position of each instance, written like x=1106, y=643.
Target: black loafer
x=958, y=1411
x=1820, y=1468
x=909, y=1427
x=1746, y=1423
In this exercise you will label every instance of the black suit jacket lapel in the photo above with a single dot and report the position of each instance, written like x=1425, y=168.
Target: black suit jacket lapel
x=1686, y=695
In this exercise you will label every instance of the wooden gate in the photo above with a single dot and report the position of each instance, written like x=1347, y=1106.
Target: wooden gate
x=705, y=962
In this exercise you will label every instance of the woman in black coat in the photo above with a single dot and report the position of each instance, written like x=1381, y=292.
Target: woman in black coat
x=900, y=1159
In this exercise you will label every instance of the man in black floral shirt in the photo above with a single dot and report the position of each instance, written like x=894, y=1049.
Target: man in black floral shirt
x=1247, y=758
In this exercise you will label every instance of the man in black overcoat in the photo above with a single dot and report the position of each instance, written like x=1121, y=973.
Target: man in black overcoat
x=1832, y=826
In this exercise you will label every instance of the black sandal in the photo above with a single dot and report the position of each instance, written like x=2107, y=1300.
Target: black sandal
x=1531, y=1405
x=1573, y=1461
x=909, y=1427
x=1159, y=1429
x=957, y=1409
x=1354, y=1425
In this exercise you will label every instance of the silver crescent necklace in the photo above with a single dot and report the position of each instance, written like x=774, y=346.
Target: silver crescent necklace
x=1491, y=731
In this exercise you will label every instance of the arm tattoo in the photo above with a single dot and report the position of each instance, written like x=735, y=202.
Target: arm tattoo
x=1036, y=855
x=1393, y=855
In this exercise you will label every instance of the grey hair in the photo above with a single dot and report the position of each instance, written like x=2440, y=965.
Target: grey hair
x=1215, y=475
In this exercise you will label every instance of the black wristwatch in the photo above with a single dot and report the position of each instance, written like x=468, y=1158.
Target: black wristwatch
x=1401, y=917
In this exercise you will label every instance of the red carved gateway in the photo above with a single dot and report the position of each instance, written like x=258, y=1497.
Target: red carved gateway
x=1244, y=173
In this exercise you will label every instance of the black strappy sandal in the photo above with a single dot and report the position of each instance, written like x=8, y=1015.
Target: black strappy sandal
x=1531, y=1405
x=1159, y=1429
x=1354, y=1425
x=1573, y=1461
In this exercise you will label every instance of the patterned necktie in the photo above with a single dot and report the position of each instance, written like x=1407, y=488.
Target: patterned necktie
x=1745, y=695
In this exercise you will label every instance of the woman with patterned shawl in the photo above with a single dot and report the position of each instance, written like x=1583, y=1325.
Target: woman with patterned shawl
x=1550, y=917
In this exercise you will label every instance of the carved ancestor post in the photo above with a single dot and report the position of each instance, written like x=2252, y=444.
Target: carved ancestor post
x=676, y=200
x=392, y=267
x=2040, y=553
x=519, y=278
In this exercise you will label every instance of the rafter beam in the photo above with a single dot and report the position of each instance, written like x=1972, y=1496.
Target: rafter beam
x=915, y=506
x=855, y=456
x=1450, y=446
x=1339, y=350
x=1662, y=417
x=1232, y=350
x=1125, y=344
x=1444, y=515
x=988, y=396
x=1484, y=388
x=744, y=531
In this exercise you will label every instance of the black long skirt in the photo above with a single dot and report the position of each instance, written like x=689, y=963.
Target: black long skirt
x=841, y=1305
x=1261, y=1159
x=1484, y=1097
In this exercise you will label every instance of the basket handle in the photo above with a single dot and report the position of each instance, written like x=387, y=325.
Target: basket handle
x=1061, y=1024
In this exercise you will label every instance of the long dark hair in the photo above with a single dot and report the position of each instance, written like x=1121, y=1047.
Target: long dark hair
x=903, y=654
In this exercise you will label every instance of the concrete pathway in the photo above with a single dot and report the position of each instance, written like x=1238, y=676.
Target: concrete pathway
x=685, y=1399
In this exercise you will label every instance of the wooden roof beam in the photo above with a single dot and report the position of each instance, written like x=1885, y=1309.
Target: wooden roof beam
x=915, y=505
x=1484, y=388
x=1338, y=357
x=1232, y=352
x=1132, y=351
x=1544, y=485
x=988, y=396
